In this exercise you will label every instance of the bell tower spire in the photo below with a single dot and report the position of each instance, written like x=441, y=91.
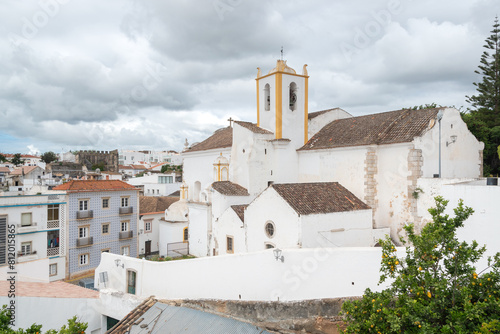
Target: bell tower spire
x=282, y=102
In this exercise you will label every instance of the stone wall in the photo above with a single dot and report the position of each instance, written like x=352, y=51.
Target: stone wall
x=108, y=158
x=308, y=316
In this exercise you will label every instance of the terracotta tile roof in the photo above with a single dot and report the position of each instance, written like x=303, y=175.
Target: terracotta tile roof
x=124, y=325
x=110, y=173
x=149, y=204
x=141, y=167
x=229, y=188
x=253, y=127
x=124, y=167
x=57, y=289
x=221, y=138
x=312, y=115
x=4, y=170
x=27, y=170
x=391, y=127
x=319, y=197
x=175, y=194
x=94, y=185
x=240, y=211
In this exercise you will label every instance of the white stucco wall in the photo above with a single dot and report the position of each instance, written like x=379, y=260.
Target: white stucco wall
x=459, y=159
x=340, y=229
x=152, y=236
x=53, y=313
x=304, y=274
x=171, y=233
x=198, y=167
x=269, y=206
x=343, y=165
x=199, y=229
x=229, y=224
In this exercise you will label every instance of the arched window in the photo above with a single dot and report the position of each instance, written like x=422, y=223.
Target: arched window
x=224, y=174
x=269, y=245
x=267, y=97
x=196, y=193
x=293, y=96
x=185, y=235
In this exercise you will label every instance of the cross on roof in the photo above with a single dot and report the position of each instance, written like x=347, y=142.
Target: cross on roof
x=231, y=120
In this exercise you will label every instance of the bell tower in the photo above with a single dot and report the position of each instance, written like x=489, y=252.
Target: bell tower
x=282, y=102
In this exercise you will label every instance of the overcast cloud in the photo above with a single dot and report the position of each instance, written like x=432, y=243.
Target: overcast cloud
x=147, y=74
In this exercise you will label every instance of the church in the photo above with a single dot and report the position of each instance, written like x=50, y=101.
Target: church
x=300, y=179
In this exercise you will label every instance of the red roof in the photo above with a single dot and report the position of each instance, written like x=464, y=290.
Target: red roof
x=94, y=185
x=57, y=289
x=26, y=169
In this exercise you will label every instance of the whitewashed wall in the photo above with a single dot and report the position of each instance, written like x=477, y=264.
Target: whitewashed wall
x=53, y=313
x=199, y=228
x=304, y=274
x=229, y=224
x=170, y=233
x=270, y=206
x=343, y=165
x=198, y=166
x=153, y=235
x=458, y=160
x=32, y=271
x=340, y=229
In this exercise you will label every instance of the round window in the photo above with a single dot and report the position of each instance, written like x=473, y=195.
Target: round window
x=270, y=229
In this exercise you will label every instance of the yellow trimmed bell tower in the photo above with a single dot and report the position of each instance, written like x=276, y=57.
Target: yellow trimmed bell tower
x=282, y=102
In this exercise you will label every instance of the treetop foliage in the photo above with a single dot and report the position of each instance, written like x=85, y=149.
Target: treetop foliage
x=435, y=288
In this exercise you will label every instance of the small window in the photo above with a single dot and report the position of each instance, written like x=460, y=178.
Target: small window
x=147, y=225
x=53, y=212
x=53, y=269
x=83, y=232
x=124, y=201
x=131, y=277
x=105, y=228
x=83, y=205
x=230, y=244
x=185, y=234
x=26, y=248
x=83, y=259
x=269, y=245
x=124, y=226
x=267, y=97
x=270, y=229
x=105, y=250
x=105, y=203
x=293, y=96
x=125, y=250
x=26, y=219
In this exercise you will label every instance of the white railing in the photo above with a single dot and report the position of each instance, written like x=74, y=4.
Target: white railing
x=53, y=224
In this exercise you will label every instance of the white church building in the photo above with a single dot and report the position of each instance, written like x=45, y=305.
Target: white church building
x=301, y=180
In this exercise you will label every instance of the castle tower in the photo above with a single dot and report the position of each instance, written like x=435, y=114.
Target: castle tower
x=282, y=100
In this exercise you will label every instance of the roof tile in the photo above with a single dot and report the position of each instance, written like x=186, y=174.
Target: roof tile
x=391, y=127
x=253, y=127
x=150, y=204
x=240, y=211
x=319, y=197
x=221, y=138
x=94, y=185
x=229, y=188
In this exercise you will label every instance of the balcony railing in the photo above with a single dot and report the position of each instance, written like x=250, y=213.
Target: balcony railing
x=83, y=242
x=84, y=214
x=126, y=210
x=53, y=223
x=126, y=235
x=53, y=251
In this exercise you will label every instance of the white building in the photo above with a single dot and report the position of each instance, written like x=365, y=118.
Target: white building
x=39, y=244
x=25, y=177
x=130, y=157
x=151, y=215
x=379, y=158
x=156, y=184
x=174, y=234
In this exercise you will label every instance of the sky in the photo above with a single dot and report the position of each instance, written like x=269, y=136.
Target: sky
x=150, y=74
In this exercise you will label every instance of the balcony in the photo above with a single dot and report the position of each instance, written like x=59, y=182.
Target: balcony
x=126, y=235
x=26, y=228
x=27, y=256
x=84, y=242
x=126, y=210
x=54, y=251
x=52, y=224
x=84, y=214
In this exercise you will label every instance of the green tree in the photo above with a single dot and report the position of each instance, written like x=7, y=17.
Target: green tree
x=2, y=158
x=73, y=327
x=483, y=119
x=171, y=168
x=435, y=288
x=17, y=160
x=49, y=157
